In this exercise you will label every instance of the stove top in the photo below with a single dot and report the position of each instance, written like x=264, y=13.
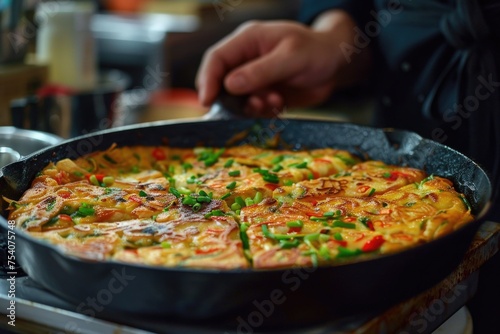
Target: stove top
x=38, y=309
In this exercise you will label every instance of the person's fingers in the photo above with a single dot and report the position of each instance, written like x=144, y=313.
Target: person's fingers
x=262, y=72
x=264, y=104
x=276, y=101
x=234, y=50
x=208, y=80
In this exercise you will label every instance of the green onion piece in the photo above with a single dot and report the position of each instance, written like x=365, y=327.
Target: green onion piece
x=314, y=218
x=85, y=210
x=372, y=191
x=108, y=180
x=337, y=236
x=288, y=183
x=166, y=244
x=325, y=252
x=196, y=207
x=240, y=201
x=339, y=223
x=211, y=161
x=278, y=159
x=184, y=191
x=231, y=185
x=249, y=201
x=93, y=180
x=258, y=197
x=187, y=166
x=387, y=175
x=78, y=174
x=203, y=199
x=286, y=244
x=243, y=235
x=420, y=184
x=314, y=260
x=466, y=202
x=229, y=163
x=171, y=169
x=235, y=207
x=226, y=195
x=189, y=201
x=142, y=193
x=324, y=237
x=329, y=214
x=109, y=159
x=234, y=173
x=202, y=193
x=216, y=213
x=312, y=237
x=347, y=160
x=272, y=178
x=364, y=220
x=346, y=252
x=51, y=205
x=174, y=192
x=266, y=232
x=295, y=223
x=277, y=168
x=301, y=165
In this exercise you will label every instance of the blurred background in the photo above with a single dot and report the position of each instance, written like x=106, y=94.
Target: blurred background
x=72, y=67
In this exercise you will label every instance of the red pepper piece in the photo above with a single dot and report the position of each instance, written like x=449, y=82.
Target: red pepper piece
x=373, y=244
x=363, y=189
x=158, y=154
x=136, y=199
x=322, y=160
x=370, y=225
x=65, y=217
x=395, y=174
x=294, y=229
x=64, y=194
x=206, y=251
x=271, y=186
x=342, y=243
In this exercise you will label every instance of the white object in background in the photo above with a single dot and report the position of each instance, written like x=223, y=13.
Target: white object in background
x=459, y=323
x=65, y=42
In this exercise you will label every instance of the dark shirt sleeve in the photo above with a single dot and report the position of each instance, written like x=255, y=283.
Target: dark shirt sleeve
x=358, y=9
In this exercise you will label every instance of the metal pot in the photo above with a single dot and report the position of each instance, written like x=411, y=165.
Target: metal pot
x=67, y=113
x=16, y=143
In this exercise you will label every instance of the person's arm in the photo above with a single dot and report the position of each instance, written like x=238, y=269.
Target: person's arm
x=283, y=62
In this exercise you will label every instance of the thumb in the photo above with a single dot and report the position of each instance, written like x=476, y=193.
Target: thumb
x=260, y=73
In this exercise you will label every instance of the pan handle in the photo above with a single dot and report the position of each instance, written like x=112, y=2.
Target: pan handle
x=227, y=106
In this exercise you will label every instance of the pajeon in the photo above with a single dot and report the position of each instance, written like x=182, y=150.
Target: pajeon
x=238, y=207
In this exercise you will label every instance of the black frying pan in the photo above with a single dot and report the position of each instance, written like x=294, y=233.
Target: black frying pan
x=264, y=298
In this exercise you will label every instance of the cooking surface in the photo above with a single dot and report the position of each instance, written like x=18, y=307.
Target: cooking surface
x=423, y=313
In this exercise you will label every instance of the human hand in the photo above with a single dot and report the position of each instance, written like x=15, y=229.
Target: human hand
x=280, y=63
